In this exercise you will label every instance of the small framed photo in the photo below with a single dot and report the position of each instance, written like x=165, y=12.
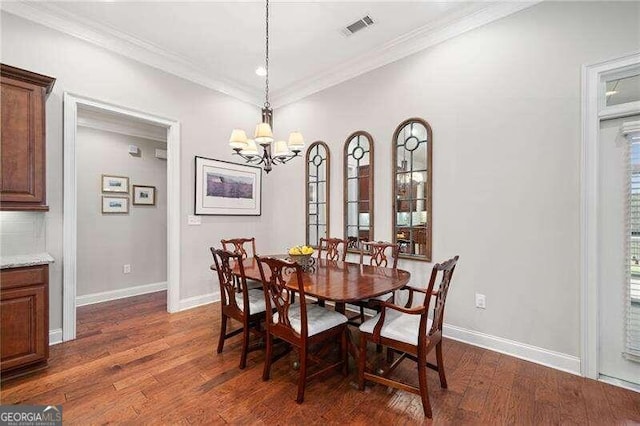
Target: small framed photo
x=144, y=195
x=119, y=184
x=115, y=205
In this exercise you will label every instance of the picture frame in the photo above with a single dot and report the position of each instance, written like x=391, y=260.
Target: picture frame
x=115, y=184
x=115, y=205
x=143, y=195
x=223, y=188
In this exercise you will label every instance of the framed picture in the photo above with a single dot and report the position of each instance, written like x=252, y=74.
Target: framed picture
x=224, y=188
x=118, y=184
x=144, y=195
x=115, y=205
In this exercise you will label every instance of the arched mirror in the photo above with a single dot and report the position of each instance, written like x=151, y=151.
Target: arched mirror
x=412, y=161
x=317, y=199
x=358, y=189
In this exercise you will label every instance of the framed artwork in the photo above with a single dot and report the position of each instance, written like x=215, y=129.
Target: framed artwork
x=144, y=195
x=115, y=205
x=224, y=188
x=119, y=184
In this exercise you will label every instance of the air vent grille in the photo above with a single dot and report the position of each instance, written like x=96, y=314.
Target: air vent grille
x=359, y=25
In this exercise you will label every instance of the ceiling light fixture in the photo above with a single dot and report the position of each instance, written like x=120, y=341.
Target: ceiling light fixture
x=247, y=148
x=261, y=71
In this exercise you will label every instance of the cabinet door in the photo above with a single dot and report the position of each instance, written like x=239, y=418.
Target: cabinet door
x=23, y=317
x=22, y=177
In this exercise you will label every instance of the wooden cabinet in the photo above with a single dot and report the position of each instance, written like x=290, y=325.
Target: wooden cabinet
x=24, y=319
x=22, y=165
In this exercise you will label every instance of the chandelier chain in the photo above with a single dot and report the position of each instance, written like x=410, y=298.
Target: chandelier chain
x=266, y=59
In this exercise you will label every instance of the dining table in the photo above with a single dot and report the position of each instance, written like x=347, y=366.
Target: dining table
x=337, y=281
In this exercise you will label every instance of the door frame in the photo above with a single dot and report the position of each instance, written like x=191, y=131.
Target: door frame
x=592, y=113
x=71, y=103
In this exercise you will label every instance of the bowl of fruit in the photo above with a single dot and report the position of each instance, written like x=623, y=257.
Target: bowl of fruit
x=302, y=255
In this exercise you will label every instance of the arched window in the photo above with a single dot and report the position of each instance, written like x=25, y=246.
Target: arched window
x=358, y=189
x=412, y=189
x=317, y=199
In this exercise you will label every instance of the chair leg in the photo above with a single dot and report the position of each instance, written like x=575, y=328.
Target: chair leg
x=443, y=379
x=223, y=332
x=245, y=345
x=302, y=379
x=390, y=355
x=422, y=379
x=362, y=361
x=344, y=351
x=266, y=372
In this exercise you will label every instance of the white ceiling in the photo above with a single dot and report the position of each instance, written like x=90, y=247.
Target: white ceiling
x=220, y=44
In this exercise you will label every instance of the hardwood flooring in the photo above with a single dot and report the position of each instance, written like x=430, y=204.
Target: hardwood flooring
x=134, y=363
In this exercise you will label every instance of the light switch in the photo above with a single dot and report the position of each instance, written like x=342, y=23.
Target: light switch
x=194, y=220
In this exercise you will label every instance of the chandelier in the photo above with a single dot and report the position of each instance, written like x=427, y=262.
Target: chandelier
x=273, y=153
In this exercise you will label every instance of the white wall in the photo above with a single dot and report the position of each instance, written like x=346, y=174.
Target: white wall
x=504, y=105
x=106, y=242
x=206, y=117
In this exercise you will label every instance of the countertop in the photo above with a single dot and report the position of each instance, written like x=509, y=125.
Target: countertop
x=22, y=260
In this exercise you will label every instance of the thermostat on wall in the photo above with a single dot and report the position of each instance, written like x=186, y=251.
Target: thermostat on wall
x=161, y=154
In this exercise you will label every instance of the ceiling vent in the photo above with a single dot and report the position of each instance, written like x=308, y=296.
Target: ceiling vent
x=359, y=25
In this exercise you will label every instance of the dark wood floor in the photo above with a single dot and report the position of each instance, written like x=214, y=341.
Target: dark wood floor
x=134, y=363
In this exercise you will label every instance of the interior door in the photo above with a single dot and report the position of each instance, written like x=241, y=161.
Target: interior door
x=617, y=238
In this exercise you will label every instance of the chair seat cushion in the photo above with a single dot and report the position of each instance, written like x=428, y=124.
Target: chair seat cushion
x=319, y=319
x=397, y=326
x=256, y=301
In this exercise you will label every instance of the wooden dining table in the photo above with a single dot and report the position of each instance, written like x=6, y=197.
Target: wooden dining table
x=339, y=282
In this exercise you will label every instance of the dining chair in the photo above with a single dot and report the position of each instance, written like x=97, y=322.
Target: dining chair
x=331, y=249
x=410, y=331
x=376, y=253
x=301, y=324
x=237, y=246
x=237, y=302
x=241, y=246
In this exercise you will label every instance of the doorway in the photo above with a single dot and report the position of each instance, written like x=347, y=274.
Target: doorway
x=73, y=104
x=610, y=185
x=619, y=236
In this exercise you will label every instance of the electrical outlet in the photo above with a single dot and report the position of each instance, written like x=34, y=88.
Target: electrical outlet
x=126, y=269
x=481, y=301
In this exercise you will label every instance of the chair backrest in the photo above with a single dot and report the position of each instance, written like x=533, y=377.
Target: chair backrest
x=275, y=274
x=379, y=253
x=239, y=246
x=229, y=284
x=445, y=269
x=331, y=247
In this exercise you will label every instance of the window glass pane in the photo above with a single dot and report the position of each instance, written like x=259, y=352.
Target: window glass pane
x=623, y=90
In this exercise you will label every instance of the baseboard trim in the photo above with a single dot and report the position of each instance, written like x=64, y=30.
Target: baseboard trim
x=105, y=296
x=55, y=336
x=548, y=358
x=557, y=360
x=194, y=302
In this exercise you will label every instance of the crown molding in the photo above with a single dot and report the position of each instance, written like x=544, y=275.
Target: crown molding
x=419, y=39
x=117, y=125
x=466, y=19
x=49, y=15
